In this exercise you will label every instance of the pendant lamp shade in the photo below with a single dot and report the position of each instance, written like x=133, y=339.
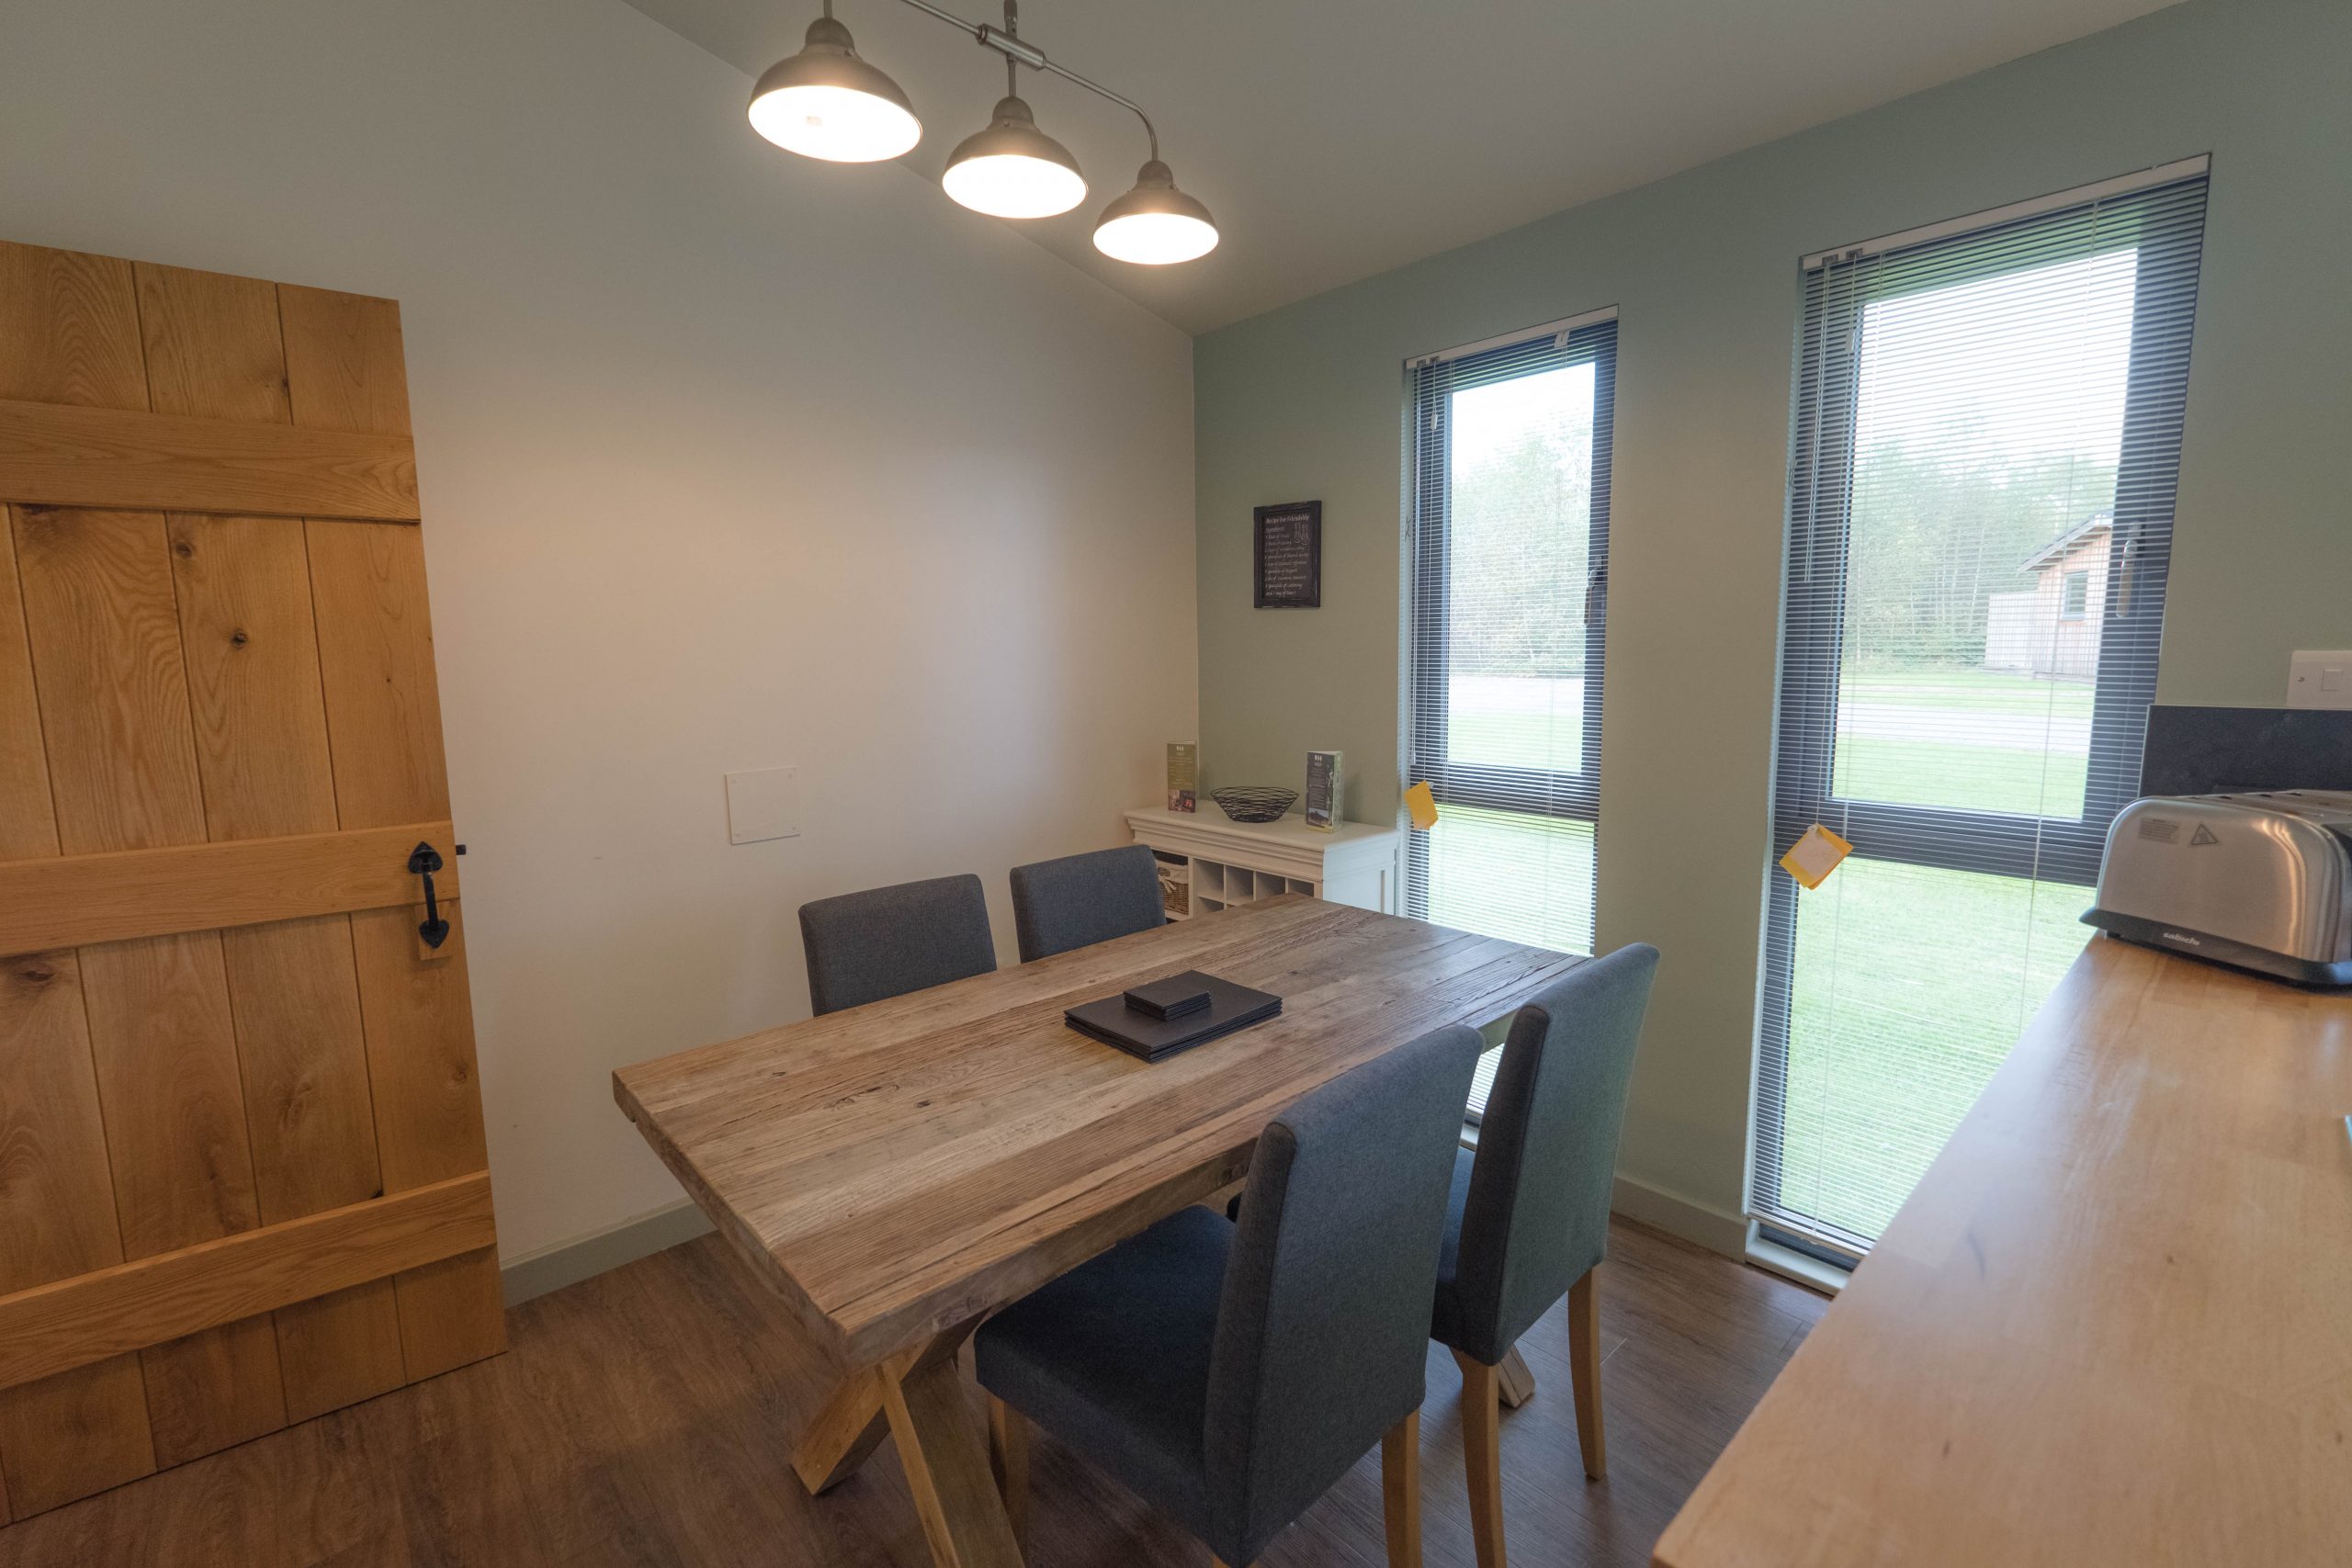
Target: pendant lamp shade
x=1155, y=224
x=825, y=102
x=1013, y=169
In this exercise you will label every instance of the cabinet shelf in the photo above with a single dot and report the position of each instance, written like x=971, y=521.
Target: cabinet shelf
x=1209, y=862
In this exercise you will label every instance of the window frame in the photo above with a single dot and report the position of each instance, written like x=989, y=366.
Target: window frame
x=2075, y=594
x=1826, y=411
x=1536, y=792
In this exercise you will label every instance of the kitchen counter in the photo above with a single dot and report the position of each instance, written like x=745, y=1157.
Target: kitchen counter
x=2112, y=1326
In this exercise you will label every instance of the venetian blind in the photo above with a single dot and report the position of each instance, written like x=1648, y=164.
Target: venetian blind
x=1987, y=435
x=1508, y=461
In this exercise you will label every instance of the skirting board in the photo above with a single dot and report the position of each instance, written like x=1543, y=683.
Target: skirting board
x=1677, y=1215
x=569, y=1262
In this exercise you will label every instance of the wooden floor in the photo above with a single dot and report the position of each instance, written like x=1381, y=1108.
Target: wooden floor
x=643, y=1418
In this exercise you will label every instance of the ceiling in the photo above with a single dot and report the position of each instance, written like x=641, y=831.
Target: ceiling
x=1334, y=140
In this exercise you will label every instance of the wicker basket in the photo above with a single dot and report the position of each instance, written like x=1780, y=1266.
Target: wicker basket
x=1254, y=802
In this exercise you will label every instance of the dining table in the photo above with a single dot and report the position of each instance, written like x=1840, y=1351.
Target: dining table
x=898, y=1171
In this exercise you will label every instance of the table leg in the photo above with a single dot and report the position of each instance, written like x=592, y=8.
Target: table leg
x=853, y=1421
x=947, y=1466
x=1513, y=1381
x=845, y=1434
x=917, y=1397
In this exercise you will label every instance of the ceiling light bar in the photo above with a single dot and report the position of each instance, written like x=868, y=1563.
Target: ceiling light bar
x=828, y=102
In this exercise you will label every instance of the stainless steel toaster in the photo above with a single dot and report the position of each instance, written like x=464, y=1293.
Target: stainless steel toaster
x=2263, y=882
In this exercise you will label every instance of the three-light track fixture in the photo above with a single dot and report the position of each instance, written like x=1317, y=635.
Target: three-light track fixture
x=828, y=102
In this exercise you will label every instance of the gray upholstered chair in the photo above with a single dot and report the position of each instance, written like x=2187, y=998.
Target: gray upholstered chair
x=1528, y=1217
x=1228, y=1373
x=1079, y=900
x=885, y=942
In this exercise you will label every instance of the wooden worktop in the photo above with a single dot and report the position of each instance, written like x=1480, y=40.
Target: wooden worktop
x=2112, y=1326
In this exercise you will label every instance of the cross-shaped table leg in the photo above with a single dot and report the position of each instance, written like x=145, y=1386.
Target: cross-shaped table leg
x=917, y=1398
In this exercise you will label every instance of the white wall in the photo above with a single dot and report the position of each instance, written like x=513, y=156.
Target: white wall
x=730, y=460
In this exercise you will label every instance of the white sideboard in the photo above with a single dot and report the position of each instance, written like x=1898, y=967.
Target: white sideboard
x=1217, y=863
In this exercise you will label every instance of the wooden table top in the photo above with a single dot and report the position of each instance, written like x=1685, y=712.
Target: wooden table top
x=899, y=1168
x=2112, y=1326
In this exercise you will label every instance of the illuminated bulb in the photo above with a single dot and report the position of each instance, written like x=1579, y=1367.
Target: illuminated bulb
x=825, y=102
x=1013, y=170
x=1155, y=224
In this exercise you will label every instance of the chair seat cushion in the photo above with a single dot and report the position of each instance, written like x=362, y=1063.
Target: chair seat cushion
x=1113, y=1357
x=1448, y=1321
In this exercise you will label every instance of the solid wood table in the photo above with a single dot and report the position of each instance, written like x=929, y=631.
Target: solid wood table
x=899, y=1170
x=2113, y=1325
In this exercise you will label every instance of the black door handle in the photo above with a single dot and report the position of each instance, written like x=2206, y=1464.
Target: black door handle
x=424, y=860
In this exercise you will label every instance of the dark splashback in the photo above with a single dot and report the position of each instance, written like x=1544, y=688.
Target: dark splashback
x=2195, y=750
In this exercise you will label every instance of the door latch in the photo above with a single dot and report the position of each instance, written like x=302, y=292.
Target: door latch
x=424, y=860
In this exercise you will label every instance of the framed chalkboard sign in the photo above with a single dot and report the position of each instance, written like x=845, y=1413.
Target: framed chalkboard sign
x=1290, y=555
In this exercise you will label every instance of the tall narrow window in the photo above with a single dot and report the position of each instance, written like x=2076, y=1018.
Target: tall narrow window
x=1509, y=460
x=1987, y=434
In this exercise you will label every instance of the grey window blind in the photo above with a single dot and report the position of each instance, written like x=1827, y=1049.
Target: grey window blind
x=1986, y=438
x=1507, y=462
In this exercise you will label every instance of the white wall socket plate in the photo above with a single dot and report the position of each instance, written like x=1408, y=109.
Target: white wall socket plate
x=2320, y=679
x=763, y=804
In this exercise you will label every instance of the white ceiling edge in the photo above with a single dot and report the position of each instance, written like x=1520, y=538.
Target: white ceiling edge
x=1330, y=140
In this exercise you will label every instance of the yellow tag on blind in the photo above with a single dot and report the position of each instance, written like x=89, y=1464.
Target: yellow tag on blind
x=1813, y=856
x=1423, y=806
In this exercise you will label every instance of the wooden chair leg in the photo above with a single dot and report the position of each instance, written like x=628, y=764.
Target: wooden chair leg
x=1482, y=1455
x=1515, y=1381
x=1584, y=1366
x=1400, y=1491
x=1009, y=1458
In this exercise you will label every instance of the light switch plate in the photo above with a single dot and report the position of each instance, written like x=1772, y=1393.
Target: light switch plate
x=763, y=804
x=2320, y=679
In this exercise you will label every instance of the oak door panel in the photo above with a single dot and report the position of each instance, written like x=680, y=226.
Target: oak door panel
x=213, y=1389
x=102, y=618
x=165, y=1053
x=105, y=635
x=346, y=372
x=252, y=673
x=215, y=350
x=68, y=330
x=69, y=334
x=178, y=676
x=72, y=1434
x=212, y=346
x=76, y=1433
x=28, y=826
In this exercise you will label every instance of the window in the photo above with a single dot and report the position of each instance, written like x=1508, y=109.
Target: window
x=1507, y=454
x=1988, y=432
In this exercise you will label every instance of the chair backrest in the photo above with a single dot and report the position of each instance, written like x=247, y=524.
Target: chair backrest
x=1322, y=1329
x=1537, y=1214
x=1079, y=900
x=885, y=942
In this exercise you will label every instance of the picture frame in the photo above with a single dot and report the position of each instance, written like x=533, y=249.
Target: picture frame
x=1287, y=554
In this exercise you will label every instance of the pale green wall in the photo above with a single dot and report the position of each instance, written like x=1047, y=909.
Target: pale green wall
x=1304, y=402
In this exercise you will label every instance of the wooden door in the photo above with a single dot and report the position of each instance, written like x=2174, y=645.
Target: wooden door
x=242, y=1171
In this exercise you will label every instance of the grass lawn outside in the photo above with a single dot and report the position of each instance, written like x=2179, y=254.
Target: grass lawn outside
x=1518, y=877
x=1960, y=777
x=1912, y=983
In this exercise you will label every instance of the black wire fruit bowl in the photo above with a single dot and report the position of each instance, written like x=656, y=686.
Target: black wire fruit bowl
x=1254, y=802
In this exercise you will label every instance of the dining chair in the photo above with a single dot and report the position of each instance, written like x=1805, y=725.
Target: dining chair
x=1527, y=1218
x=1081, y=899
x=885, y=942
x=1228, y=1373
